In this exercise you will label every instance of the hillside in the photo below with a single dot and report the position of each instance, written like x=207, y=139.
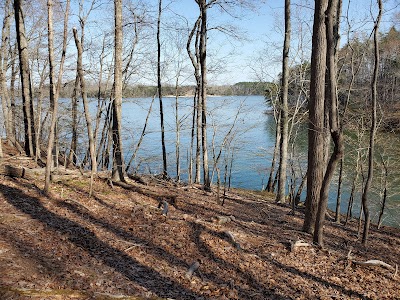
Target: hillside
x=118, y=245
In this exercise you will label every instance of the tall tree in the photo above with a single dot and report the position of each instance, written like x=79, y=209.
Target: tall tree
x=54, y=90
x=316, y=166
x=118, y=159
x=5, y=98
x=284, y=122
x=194, y=58
x=92, y=146
x=164, y=152
x=371, y=150
x=26, y=83
x=332, y=35
x=203, y=6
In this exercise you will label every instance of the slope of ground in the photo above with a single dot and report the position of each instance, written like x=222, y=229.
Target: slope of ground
x=117, y=244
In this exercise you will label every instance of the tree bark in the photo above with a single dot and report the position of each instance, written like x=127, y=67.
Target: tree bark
x=164, y=152
x=54, y=91
x=316, y=165
x=194, y=58
x=371, y=151
x=284, y=122
x=270, y=184
x=339, y=193
x=203, y=90
x=5, y=98
x=332, y=24
x=29, y=125
x=118, y=159
x=92, y=147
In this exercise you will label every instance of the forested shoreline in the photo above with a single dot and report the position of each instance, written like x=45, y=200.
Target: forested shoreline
x=331, y=67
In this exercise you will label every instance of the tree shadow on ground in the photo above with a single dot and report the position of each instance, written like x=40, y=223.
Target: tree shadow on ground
x=205, y=251
x=86, y=240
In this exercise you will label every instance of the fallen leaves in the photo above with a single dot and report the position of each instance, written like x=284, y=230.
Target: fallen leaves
x=118, y=244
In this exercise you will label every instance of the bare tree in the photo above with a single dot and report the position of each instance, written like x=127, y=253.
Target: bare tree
x=332, y=26
x=164, y=152
x=118, y=159
x=371, y=151
x=29, y=124
x=203, y=6
x=316, y=165
x=54, y=91
x=284, y=122
x=5, y=98
x=196, y=100
x=92, y=146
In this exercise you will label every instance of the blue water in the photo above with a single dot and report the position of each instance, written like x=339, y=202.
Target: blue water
x=251, y=157
x=251, y=139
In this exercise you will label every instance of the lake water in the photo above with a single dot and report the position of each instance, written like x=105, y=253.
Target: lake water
x=251, y=139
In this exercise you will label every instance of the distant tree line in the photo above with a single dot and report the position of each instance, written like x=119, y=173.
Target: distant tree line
x=142, y=90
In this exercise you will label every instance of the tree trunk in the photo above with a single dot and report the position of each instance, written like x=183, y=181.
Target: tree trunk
x=5, y=98
x=118, y=159
x=27, y=102
x=339, y=192
x=332, y=24
x=384, y=196
x=270, y=184
x=280, y=197
x=371, y=151
x=203, y=89
x=316, y=165
x=194, y=58
x=92, y=147
x=164, y=152
x=54, y=91
x=177, y=131
x=74, y=125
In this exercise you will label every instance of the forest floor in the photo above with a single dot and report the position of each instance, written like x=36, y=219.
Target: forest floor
x=118, y=245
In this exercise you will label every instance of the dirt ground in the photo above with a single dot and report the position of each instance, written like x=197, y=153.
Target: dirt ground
x=118, y=245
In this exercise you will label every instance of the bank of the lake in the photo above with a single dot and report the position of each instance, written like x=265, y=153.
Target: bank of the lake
x=248, y=135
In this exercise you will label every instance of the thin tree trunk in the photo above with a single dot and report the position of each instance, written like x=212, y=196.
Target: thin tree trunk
x=339, y=193
x=177, y=132
x=92, y=147
x=371, y=152
x=74, y=125
x=54, y=91
x=118, y=158
x=164, y=152
x=141, y=137
x=284, y=122
x=12, y=92
x=270, y=184
x=203, y=90
x=384, y=197
x=194, y=58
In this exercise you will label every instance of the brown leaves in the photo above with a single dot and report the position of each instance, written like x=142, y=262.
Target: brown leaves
x=119, y=244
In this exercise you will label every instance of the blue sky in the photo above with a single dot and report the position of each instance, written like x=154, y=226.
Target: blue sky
x=256, y=53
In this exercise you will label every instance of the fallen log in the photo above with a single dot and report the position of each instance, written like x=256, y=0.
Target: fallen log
x=19, y=172
x=371, y=263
